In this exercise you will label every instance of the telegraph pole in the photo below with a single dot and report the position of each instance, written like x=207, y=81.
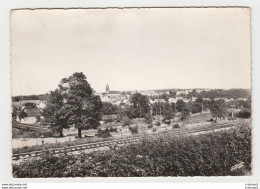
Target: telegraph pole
x=160, y=115
x=233, y=112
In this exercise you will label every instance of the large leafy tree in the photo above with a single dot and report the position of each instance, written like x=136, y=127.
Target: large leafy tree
x=185, y=113
x=158, y=108
x=217, y=109
x=180, y=104
x=130, y=111
x=84, y=107
x=196, y=107
x=140, y=104
x=76, y=104
x=173, y=105
x=168, y=113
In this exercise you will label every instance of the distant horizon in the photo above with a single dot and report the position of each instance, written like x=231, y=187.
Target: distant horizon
x=165, y=89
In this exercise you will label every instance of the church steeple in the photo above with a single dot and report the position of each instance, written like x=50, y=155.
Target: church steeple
x=107, y=89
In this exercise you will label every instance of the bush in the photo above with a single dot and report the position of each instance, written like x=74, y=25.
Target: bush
x=134, y=129
x=103, y=133
x=169, y=155
x=148, y=119
x=118, y=118
x=150, y=125
x=38, y=119
x=244, y=114
x=112, y=129
x=126, y=121
x=210, y=120
x=154, y=129
x=109, y=120
x=176, y=126
x=158, y=123
x=167, y=121
x=47, y=134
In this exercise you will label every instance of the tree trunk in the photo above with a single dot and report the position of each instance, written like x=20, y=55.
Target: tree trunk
x=79, y=133
x=61, y=134
x=216, y=119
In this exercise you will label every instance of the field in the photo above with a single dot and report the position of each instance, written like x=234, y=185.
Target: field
x=198, y=118
x=211, y=154
x=20, y=130
x=25, y=133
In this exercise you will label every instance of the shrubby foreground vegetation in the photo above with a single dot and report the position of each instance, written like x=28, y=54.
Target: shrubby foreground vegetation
x=203, y=155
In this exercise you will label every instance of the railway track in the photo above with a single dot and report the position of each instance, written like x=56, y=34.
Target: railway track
x=93, y=145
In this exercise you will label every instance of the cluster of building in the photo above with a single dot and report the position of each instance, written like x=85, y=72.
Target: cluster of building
x=31, y=108
x=115, y=97
x=122, y=98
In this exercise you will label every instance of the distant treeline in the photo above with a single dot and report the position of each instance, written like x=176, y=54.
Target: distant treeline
x=42, y=97
x=220, y=93
x=214, y=93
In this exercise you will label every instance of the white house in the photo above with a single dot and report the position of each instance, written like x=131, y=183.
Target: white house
x=42, y=105
x=159, y=100
x=172, y=100
x=31, y=116
x=242, y=99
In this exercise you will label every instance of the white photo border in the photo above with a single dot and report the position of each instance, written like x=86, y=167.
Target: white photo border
x=5, y=133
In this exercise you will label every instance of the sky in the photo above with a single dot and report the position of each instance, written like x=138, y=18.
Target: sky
x=131, y=49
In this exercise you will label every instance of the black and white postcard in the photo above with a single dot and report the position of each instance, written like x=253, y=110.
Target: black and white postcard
x=131, y=92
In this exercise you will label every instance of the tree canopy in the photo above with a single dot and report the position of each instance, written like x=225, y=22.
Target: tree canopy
x=168, y=113
x=109, y=108
x=74, y=103
x=140, y=105
x=180, y=104
x=217, y=109
x=185, y=113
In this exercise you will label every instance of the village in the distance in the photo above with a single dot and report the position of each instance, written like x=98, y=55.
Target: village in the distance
x=28, y=109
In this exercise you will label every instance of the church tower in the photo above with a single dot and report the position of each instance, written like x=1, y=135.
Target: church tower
x=107, y=89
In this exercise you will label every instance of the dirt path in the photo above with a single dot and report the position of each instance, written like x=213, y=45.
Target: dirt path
x=19, y=143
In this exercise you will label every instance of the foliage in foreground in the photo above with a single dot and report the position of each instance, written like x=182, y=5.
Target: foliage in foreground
x=204, y=155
